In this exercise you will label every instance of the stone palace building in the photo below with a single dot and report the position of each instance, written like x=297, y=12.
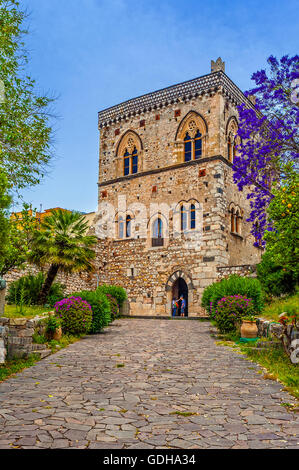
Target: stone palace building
x=171, y=219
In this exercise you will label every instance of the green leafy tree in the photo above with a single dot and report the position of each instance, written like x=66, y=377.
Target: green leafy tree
x=5, y=201
x=62, y=244
x=25, y=133
x=279, y=269
x=20, y=229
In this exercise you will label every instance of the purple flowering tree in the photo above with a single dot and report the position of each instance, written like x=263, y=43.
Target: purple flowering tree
x=269, y=147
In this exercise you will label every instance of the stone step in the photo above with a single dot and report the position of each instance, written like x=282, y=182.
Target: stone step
x=36, y=346
x=42, y=353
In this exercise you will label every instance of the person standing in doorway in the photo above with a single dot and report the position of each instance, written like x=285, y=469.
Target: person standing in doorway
x=183, y=306
x=174, y=307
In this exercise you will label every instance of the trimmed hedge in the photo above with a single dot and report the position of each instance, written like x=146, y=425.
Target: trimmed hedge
x=117, y=292
x=233, y=285
x=100, y=306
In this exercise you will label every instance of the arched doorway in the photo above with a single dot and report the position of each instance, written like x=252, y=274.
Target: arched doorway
x=179, y=289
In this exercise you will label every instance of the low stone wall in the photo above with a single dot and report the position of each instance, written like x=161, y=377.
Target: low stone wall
x=268, y=328
x=241, y=270
x=16, y=334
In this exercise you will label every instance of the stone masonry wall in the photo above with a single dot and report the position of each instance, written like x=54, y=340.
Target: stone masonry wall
x=72, y=282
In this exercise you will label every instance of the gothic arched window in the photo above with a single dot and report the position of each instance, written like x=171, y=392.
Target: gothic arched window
x=191, y=137
x=232, y=138
x=235, y=220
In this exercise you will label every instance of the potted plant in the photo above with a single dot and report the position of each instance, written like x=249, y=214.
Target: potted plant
x=249, y=327
x=53, y=328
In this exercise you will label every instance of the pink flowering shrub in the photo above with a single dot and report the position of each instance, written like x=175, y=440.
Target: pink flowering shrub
x=75, y=315
x=230, y=310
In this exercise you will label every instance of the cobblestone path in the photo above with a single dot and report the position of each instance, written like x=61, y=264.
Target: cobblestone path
x=126, y=387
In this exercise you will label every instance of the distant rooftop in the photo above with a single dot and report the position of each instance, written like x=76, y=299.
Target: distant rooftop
x=186, y=90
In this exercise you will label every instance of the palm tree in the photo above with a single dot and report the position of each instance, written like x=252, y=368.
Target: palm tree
x=62, y=244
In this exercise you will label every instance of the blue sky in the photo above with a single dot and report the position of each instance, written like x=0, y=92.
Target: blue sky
x=93, y=54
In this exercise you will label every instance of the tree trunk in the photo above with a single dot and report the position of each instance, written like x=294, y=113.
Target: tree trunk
x=53, y=270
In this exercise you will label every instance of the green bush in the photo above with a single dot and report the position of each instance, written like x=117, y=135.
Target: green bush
x=230, y=310
x=38, y=339
x=276, y=280
x=75, y=315
x=100, y=309
x=56, y=293
x=51, y=323
x=114, y=307
x=26, y=290
x=117, y=292
x=233, y=285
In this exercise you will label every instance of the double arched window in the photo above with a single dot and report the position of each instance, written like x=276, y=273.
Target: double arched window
x=188, y=217
x=235, y=220
x=129, y=152
x=233, y=140
x=191, y=137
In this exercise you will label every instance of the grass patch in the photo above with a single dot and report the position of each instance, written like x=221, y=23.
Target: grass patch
x=274, y=360
x=64, y=341
x=120, y=365
x=291, y=407
x=38, y=339
x=278, y=306
x=14, y=366
x=13, y=311
x=279, y=367
x=183, y=413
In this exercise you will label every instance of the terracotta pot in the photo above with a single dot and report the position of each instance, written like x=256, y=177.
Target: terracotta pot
x=57, y=334
x=249, y=329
